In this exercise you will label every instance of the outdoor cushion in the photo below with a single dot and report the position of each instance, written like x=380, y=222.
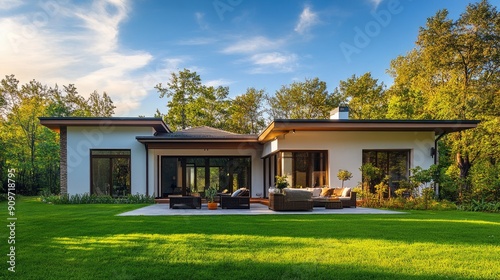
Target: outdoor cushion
x=244, y=192
x=346, y=192
x=326, y=192
x=297, y=194
x=315, y=191
x=236, y=193
x=337, y=191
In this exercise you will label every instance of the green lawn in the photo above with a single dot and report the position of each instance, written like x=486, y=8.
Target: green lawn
x=90, y=242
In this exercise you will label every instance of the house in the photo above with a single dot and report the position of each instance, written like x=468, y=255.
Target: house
x=120, y=156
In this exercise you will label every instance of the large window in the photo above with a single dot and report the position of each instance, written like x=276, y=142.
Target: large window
x=183, y=174
x=110, y=172
x=303, y=168
x=393, y=163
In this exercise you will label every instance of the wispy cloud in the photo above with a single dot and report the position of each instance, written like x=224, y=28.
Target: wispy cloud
x=10, y=4
x=307, y=20
x=273, y=62
x=77, y=44
x=218, y=82
x=375, y=3
x=251, y=45
x=200, y=20
x=198, y=41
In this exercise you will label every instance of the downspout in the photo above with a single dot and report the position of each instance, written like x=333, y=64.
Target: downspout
x=435, y=152
x=147, y=169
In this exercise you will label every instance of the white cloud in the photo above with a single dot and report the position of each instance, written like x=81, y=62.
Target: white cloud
x=252, y=44
x=219, y=82
x=273, y=62
x=375, y=3
x=200, y=20
x=76, y=44
x=10, y=4
x=307, y=20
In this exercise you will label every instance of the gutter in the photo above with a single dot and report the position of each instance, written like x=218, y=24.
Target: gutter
x=435, y=151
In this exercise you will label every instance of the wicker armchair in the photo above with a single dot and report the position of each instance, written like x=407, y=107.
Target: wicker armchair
x=240, y=199
x=279, y=202
x=238, y=202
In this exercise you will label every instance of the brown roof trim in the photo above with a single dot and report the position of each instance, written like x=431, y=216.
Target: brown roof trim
x=55, y=123
x=280, y=126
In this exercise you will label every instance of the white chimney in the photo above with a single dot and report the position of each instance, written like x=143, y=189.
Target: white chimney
x=340, y=113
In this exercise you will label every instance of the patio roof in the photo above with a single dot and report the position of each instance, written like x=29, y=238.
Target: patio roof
x=283, y=126
x=55, y=123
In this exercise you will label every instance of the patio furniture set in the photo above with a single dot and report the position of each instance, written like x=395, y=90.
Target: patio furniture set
x=240, y=199
x=289, y=199
x=306, y=199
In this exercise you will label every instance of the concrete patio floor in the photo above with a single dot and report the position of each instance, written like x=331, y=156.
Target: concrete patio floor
x=162, y=209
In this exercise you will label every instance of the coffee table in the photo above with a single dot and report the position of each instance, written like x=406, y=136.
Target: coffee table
x=333, y=204
x=192, y=202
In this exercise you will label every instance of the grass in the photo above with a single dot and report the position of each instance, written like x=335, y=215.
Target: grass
x=90, y=242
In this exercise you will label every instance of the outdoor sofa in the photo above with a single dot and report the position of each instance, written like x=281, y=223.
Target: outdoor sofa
x=291, y=200
x=321, y=195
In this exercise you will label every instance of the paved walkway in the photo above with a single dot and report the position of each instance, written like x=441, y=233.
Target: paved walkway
x=255, y=209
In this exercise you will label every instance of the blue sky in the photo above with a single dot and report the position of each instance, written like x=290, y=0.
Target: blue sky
x=126, y=47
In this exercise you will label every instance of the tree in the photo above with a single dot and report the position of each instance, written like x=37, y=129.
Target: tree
x=303, y=100
x=344, y=175
x=247, y=112
x=455, y=70
x=182, y=90
x=27, y=146
x=366, y=98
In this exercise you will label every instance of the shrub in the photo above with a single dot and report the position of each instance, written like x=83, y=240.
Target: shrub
x=97, y=199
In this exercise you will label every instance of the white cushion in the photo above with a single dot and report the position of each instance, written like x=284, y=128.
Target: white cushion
x=346, y=192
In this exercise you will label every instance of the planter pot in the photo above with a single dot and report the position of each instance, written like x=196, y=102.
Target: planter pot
x=212, y=205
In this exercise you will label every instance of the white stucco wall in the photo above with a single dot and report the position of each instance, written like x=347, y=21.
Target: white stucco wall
x=82, y=139
x=256, y=176
x=345, y=148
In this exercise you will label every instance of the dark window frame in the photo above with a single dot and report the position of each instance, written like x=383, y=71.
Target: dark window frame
x=101, y=153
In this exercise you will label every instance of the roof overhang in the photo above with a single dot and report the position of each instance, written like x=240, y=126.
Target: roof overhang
x=154, y=142
x=55, y=123
x=280, y=126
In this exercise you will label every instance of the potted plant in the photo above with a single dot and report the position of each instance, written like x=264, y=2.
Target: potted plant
x=344, y=175
x=210, y=194
x=281, y=182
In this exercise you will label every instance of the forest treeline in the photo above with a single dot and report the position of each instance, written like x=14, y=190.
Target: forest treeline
x=452, y=73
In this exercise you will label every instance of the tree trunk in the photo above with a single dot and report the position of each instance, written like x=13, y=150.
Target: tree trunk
x=464, y=165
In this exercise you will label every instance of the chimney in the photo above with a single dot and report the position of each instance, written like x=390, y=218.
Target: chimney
x=340, y=113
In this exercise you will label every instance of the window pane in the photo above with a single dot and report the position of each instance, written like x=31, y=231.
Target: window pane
x=121, y=176
x=101, y=176
x=110, y=172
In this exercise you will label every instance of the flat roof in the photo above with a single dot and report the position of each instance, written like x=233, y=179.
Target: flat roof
x=55, y=123
x=282, y=126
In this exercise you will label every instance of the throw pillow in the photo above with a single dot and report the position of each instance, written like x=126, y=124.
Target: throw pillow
x=316, y=192
x=236, y=193
x=337, y=192
x=346, y=192
x=325, y=192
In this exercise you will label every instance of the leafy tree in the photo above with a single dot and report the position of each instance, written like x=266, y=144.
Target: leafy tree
x=247, y=112
x=303, y=100
x=182, y=89
x=454, y=70
x=366, y=97
x=344, y=175
x=27, y=146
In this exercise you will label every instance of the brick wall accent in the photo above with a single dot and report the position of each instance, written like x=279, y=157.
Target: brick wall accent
x=63, y=165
